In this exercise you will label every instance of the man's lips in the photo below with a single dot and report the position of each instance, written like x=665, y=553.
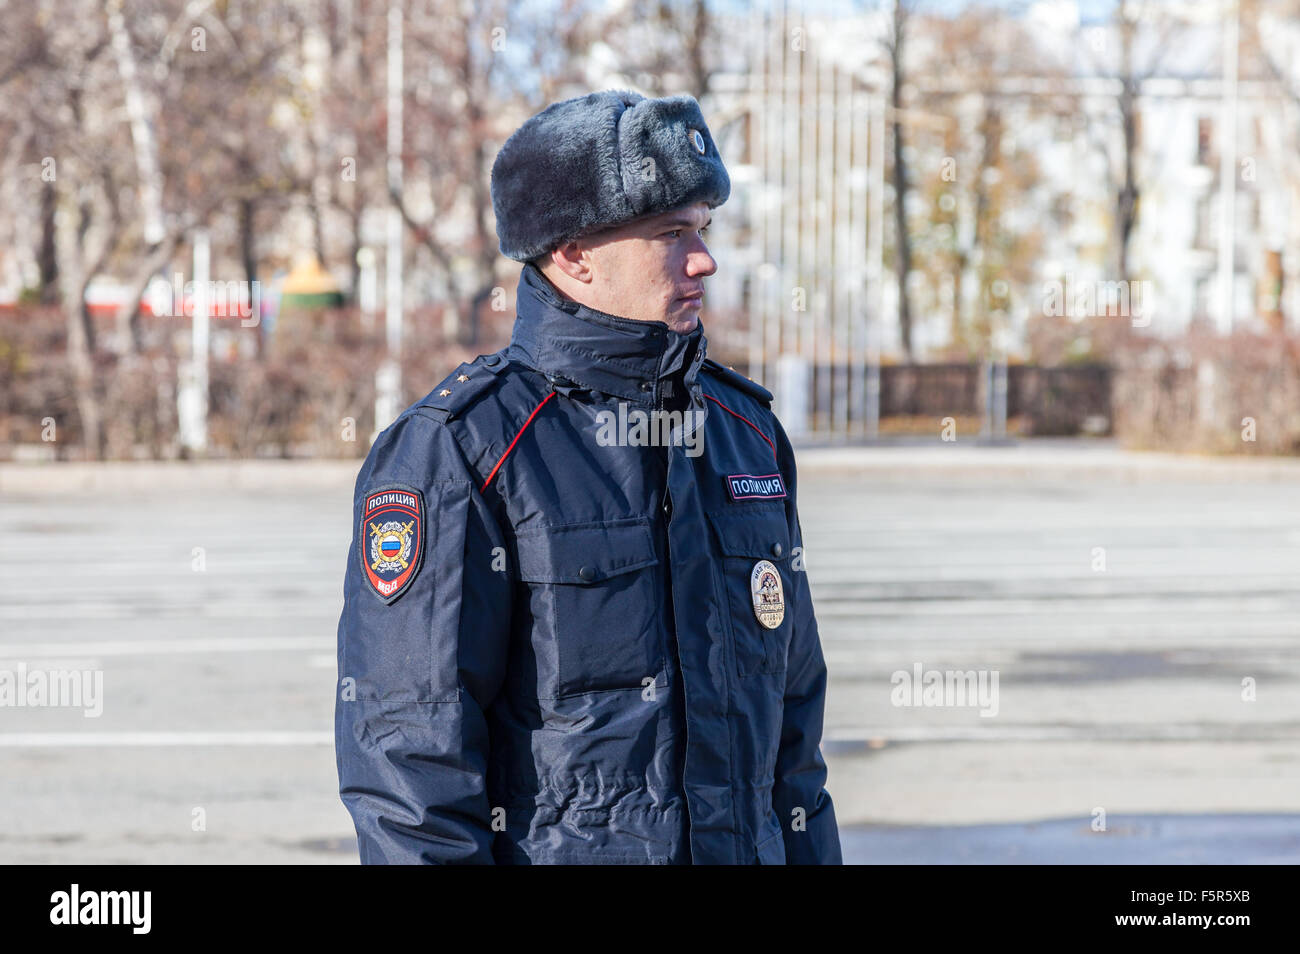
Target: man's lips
x=693, y=296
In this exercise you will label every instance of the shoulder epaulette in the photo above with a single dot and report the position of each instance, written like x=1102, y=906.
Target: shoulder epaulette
x=459, y=389
x=737, y=380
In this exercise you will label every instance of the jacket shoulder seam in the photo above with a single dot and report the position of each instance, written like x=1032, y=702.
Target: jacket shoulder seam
x=735, y=379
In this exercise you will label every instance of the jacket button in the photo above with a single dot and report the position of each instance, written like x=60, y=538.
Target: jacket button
x=777, y=549
x=646, y=386
x=587, y=573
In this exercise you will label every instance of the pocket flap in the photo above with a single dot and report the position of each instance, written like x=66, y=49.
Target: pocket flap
x=584, y=554
x=771, y=851
x=753, y=532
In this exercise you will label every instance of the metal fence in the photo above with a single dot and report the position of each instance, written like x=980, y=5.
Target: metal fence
x=1041, y=401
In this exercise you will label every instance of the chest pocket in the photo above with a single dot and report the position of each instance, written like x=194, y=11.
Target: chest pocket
x=594, y=592
x=749, y=535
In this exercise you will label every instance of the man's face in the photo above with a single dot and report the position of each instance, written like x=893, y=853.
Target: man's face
x=652, y=269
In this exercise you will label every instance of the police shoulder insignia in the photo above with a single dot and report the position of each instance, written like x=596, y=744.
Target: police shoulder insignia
x=392, y=539
x=765, y=589
x=460, y=389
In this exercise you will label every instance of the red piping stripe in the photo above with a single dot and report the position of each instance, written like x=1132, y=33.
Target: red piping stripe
x=746, y=420
x=516, y=441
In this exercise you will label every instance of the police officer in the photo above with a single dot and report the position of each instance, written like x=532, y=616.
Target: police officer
x=576, y=626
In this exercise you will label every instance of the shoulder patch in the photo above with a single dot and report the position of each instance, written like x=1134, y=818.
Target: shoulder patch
x=392, y=539
x=458, y=390
x=737, y=380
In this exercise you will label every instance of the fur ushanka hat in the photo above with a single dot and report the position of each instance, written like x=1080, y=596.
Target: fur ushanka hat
x=600, y=160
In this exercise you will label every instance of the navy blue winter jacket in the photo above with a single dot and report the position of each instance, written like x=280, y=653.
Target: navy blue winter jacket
x=576, y=626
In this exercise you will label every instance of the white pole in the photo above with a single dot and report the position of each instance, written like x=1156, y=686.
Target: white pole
x=825, y=255
x=775, y=275
x=860, y=116
x=1228, y=173
x=367, y=288
x=192, y=393
x=805, y=207
x=875, y=262
x=758, y=133
x=388, y=378
x=1000, y=396
x=780, y=330
x=845, y=253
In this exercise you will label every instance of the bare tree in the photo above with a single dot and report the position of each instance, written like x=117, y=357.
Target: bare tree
x=463, y=110
x=666, y=46
x=1130, y=67
x=972, y=77
x=78, y=157
x=895, y=48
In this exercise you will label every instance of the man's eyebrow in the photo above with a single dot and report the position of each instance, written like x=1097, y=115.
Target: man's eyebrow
x=684, y=221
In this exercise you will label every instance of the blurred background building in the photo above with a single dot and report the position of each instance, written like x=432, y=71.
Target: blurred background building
x=1004, y=213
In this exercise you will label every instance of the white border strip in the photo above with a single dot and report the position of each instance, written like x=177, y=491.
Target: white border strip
x=47, y=740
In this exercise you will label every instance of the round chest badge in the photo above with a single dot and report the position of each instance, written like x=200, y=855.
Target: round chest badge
x=765, y=589
x=698, y=140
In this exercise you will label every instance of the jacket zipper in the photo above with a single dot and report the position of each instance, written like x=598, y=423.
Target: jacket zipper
x=681, y=668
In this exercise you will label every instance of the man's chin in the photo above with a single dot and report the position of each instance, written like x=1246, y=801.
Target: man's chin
x=684, y=324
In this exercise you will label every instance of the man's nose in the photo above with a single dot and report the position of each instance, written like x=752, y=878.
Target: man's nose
x=699, y=262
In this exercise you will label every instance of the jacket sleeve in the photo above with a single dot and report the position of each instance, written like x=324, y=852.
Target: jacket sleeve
x=800, y=778
x=418, y=672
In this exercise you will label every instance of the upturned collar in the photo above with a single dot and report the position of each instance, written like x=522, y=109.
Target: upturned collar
x=642, y=362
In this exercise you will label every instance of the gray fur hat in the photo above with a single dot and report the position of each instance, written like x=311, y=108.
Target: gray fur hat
x=600, y=160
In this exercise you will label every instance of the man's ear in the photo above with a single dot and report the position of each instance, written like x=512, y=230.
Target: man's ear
x=574, y=260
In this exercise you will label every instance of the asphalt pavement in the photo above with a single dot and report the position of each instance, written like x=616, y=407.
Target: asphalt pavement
x=1140, y=614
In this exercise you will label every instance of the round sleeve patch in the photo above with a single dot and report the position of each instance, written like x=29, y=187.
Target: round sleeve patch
x=392, y=539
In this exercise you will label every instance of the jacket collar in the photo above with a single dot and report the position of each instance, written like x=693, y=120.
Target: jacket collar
x=642, y=362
